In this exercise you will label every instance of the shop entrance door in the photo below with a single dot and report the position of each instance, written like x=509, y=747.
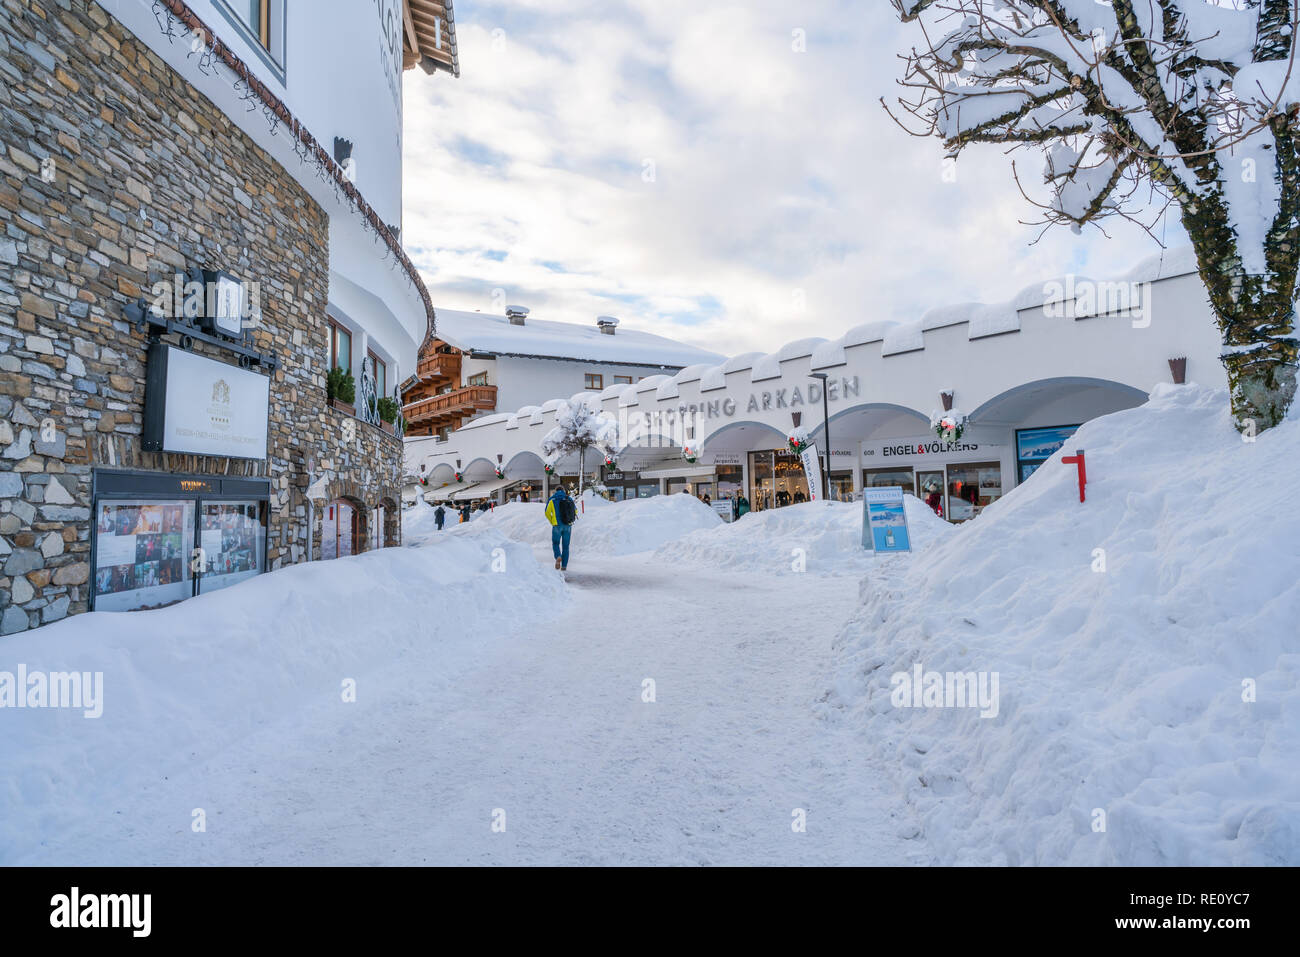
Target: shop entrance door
x=930, y=489
x=338, y=530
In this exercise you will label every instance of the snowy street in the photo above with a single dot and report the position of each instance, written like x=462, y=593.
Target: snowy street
x=548, y=723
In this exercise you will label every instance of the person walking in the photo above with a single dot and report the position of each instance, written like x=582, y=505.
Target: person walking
x=439, y=516
x=742, y=506
x=561, y=512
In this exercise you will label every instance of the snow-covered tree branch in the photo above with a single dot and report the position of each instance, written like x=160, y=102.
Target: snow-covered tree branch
x=578, y=427
x=1198, y=101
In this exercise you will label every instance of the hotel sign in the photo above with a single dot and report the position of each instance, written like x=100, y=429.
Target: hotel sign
x=200, y=406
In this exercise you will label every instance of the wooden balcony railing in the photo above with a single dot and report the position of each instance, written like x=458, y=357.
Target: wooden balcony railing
x=440, y=365
x=441, y=409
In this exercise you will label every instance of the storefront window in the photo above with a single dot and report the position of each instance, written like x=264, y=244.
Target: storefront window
x=1036, y=446
x=841, y=486
x=971, y=487
x=647, y=489
x=141, y=554
x=882, y=478
x=233, y=542
x=730, y=480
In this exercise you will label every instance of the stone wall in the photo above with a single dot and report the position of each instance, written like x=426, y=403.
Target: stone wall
x=115, y=174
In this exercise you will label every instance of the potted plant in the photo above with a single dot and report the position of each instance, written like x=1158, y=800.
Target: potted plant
x=388, y=409
x=341, y=390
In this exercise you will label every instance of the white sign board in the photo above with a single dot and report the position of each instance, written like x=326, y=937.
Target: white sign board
x=209, y=407
x=723, y=507
x=812, y=470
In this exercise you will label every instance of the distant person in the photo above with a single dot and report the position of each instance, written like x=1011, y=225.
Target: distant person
x=465, y=512
x=742, y=506
x=561, y=512
x=707, y=500
x=439, y=516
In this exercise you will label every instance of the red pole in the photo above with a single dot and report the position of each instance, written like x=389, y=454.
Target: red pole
x=1077, y=460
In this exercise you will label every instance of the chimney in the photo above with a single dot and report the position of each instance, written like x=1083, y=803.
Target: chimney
x=607, y=324
x=516, y=315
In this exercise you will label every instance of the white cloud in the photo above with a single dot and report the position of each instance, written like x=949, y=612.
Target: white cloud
x=777, y=174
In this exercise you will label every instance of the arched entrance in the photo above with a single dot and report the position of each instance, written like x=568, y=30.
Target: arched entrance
x=343, y=528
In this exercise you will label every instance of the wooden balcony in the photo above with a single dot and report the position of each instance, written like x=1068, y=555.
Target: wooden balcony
x=449, y=409
x=439, y=366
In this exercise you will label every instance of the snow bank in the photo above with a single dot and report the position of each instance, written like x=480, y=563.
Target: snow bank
x=824, y=538
x=607, y=528
x=1120, y=691
x=182, y=683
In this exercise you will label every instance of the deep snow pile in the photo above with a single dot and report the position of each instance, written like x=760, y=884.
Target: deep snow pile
x=181, y=683
x=1121, y=691
x=818, y=537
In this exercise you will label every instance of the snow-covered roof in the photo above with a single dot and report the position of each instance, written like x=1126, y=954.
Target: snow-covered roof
x=544, y=338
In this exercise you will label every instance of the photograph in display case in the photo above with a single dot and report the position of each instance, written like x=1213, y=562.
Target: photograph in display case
x=140, y=549
x=233, y=540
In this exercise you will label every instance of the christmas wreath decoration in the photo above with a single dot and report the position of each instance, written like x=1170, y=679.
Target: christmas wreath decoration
x=611, y=464
x=548, y=468
x=798, y=440
x=500, y=472
x=690, y=454
x=948, y=426
x=460, y=476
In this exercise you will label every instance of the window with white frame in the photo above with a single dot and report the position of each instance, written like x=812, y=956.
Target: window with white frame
x=262, y=24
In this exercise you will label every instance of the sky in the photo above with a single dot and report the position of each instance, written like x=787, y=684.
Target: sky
x=721, y=173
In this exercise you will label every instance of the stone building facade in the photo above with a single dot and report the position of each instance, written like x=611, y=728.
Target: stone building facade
x=115, y=175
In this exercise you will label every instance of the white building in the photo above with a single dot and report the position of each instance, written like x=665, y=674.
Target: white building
x=477, y=363
x=1024, y=373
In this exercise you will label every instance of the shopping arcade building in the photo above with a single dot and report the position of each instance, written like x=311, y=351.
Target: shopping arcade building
x=1026, y=373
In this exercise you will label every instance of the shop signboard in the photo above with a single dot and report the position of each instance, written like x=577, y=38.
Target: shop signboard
x=723, y=507
x=812, y=470
x=884, y=520
x=200, y=406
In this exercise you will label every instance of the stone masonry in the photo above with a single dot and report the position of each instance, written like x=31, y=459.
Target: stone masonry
x=115, y=174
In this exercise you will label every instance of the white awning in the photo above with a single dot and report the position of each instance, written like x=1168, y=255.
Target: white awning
x=483, y=488
x=446, y=492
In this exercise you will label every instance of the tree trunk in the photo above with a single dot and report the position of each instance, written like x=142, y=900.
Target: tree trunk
x=1260, y=356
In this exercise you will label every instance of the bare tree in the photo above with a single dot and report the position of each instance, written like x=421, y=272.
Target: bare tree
x=1183, y=101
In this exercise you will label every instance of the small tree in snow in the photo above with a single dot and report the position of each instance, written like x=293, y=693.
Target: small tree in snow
x=1193, y=98
x=579, y=427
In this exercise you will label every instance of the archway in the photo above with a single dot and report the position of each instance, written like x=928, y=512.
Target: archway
x=388, y=523
x=1046, y=402
x=344, y=527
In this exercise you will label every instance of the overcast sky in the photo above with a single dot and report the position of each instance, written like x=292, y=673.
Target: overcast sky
x=680, y=165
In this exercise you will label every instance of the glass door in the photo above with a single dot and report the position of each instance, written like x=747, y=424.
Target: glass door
x=930, y=488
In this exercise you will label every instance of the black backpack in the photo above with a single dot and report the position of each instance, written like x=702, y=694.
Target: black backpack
x=566, y=513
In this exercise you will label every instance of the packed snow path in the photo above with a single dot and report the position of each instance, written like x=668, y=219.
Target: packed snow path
x=549, y=726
